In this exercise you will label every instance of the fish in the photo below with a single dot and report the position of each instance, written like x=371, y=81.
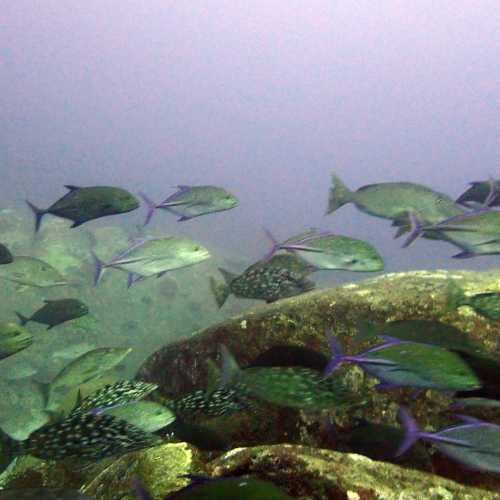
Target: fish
x=393, y=200
x=223, y=401
x=84, y=436
x=486, y=304
x=478, y=193
x=475, y=233
x=154, y=257
x=113, y=395
x=42, y=494
x=30, y=271
x=81, y=370
x=235, y=487
x=55, y=312
x=146, y=415
x=294, y=387
x=280, y=277
x=73, y=351
x=201, y=436
x=13, y=338
x=189, y=202
x=5, y=255
x=423, y=331
x=82, y=204
x=398, y=363
x=327, y=251
x=474, y=443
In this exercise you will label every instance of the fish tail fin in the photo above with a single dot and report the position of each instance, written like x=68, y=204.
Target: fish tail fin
x=100, y=267
x=230, y=367
x=151, y=207
x=416, y=229
x=275, y=244
x=44, y=390
x=130, y=280
x=219, y=290
x=22, y=319
x=412, y=432
x=339, y=195
x=337, y=354
x=38, y=212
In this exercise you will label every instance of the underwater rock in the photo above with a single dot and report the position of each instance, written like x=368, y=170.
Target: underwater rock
x=157, y=469
x=311, y=473
x=181, y=367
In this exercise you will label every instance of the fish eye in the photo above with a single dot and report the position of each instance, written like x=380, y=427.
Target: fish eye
x=196, y=249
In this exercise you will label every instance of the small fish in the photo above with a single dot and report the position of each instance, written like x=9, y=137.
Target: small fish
x=222, y=401
x=393, y=200
x=294, y=387
x=81, y=370
x=479, y=192
x=201, y=436
x=423, y=331
x=486, y=304
x=113, y=395
x=401, y=363
x=241, y=488
x=13, y=338
x=475, y=233
x=5, y=255
x=154, y=257
x=84, y=436
x=82, y=204
x=55, y=312
x=192, y=201
x=42, y=494
x=280, y=277
x=146, y=415
x=327, y=251
x=474, y=443
x=29, y=271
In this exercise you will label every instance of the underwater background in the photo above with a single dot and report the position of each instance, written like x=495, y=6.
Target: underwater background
x=266, y=99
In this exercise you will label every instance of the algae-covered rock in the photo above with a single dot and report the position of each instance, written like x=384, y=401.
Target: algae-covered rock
x=310, y=473
x=181, y=367
x=157, y=469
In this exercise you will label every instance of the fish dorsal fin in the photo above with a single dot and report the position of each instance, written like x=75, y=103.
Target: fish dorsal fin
x=213, y=376
x=230, y=367
x=229, y=277
x=71, y=187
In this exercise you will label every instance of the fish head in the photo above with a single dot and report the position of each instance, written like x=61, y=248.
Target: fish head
x=122, y=202
x=226, y=201
x=192, y=252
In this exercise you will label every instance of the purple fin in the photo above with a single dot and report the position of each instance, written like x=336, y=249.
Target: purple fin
x=183, y=218
x=151, y=207
x=392, y=340
x=139, y=490
x=22, y=319
x=412, y=432
x=99, y=268
x=130, y=279
x=274, y=242
x=416, y=229
x=71, y=187
x=337, y=354
x=304, y=248
x=468, y=419
x=39, y=213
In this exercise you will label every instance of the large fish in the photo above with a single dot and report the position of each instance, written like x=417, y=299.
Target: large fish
x=486, y=304
x=55, y=312
x=410, y=364
x=474, y=443
x=393, y=200
x=81, y=370
x=476, y=232
x=270, y=280
x=192, y=201
x=290, y=386
x=327, y=251
x=29, y=271
x=154, y=257
x=84, y=436
x=82, y=204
